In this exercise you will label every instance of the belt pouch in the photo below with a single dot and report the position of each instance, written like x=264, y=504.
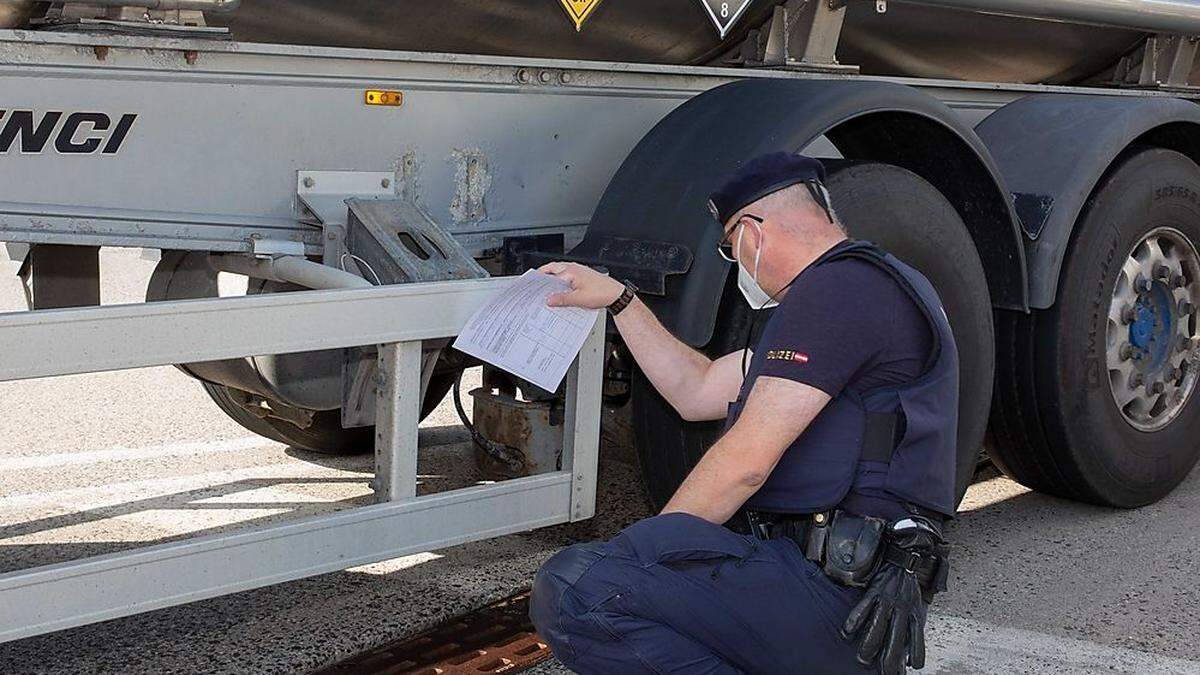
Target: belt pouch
x=852, y=548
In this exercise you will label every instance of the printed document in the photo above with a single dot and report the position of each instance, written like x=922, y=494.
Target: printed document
x=517, y=332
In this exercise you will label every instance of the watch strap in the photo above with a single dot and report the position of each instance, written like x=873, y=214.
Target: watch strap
x=623, y=301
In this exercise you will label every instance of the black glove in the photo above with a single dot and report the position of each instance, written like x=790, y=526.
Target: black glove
x=891, y=615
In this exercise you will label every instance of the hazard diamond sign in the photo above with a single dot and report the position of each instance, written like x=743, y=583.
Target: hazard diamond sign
x=579, y=10
x=724, y=14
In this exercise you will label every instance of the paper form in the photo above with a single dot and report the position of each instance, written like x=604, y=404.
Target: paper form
x=517, y=332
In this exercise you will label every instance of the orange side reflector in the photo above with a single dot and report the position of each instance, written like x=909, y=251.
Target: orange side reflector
x=380, y=97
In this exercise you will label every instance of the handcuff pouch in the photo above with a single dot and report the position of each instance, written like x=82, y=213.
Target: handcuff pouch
x=852, y=546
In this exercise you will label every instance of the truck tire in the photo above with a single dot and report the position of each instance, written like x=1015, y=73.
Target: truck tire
x=906, y=216
x=221, y=395
x=1078, y=411
x=326, y=435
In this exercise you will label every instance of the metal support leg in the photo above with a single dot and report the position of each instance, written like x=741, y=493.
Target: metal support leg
x=398, y=412
x=1164, y=61
x=581, y=428
x=802, y=34
x=58, y=277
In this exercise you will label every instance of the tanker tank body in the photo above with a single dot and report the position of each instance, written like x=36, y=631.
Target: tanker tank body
x=907, y=40
x=1061, y=230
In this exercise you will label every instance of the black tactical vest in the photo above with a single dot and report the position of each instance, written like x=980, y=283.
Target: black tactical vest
x=882, y=451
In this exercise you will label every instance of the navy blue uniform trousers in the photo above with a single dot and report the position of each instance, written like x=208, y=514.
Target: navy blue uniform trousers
x=677, y=594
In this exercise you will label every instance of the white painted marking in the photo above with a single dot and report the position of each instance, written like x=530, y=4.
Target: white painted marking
x=118, y=453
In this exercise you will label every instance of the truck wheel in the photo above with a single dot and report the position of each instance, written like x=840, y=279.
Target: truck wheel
x=906, y=216
x=1094, y=399
x=326, y=435
x=222, y=396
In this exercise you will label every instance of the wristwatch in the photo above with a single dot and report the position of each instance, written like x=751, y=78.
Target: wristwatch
x=623, y=301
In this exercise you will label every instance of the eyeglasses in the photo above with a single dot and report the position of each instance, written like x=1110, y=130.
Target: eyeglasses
x=725, y=246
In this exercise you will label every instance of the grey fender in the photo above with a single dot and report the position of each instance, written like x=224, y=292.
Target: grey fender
x=661, y=190
x=1053, y=150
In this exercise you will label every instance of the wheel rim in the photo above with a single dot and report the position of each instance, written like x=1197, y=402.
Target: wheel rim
x=1152, y=330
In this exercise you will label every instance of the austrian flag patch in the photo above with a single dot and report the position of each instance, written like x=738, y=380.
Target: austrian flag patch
x=787, y=355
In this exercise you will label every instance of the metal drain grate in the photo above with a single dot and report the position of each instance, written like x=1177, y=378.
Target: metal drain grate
x=496, y=639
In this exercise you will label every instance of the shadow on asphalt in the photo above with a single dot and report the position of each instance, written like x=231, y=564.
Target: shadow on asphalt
x=303, y=625
x=441, y=470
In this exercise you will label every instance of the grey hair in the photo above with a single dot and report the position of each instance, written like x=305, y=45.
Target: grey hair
x=798, y=197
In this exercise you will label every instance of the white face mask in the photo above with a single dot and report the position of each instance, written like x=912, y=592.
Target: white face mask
x=747, y=281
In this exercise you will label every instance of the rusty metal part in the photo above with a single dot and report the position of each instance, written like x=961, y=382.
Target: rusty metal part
x=472, y=180
x=496, y=639
x=527, y=427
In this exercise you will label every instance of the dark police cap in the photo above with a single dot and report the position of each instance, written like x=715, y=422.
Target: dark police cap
x=760, y=177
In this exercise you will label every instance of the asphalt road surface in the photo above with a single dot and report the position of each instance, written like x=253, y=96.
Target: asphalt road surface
x=100, y=463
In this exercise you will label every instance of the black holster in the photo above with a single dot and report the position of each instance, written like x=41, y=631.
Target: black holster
x=846, y=546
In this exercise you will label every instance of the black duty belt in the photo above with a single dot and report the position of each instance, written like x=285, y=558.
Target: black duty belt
x=847, y=547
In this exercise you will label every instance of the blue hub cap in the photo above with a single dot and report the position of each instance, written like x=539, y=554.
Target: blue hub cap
x=1153, y=350
x=1152, y=332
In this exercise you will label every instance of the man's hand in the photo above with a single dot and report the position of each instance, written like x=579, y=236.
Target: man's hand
x=889, y=622
x=696, y=387
x=589, y=288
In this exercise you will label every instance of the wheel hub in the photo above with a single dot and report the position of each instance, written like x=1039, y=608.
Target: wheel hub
x=1152, y=333
x=1152, y=330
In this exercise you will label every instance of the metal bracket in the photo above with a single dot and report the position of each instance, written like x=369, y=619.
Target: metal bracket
x=268, y=248
x=396, y=242
x=401, y=243
x=105, y=15
x=1163, y=62
x=321, y=195
x=321, y=200
x=802, y=35
x=646, y=264
x=56, y=276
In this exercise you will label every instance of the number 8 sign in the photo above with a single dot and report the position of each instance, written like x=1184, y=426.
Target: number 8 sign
x=725, y=14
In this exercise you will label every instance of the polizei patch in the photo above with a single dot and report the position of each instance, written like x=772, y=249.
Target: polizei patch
x=787, y=355
x=78, y=133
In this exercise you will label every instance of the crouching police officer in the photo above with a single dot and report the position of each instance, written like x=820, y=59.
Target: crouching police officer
x=807, y=539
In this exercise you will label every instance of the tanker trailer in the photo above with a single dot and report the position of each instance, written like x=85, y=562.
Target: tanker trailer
x=1036, y=160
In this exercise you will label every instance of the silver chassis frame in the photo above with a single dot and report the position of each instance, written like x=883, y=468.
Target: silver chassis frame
x=55, y=343
x=224, y=128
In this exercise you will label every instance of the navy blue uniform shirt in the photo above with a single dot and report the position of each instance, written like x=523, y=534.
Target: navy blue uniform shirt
x=842, y=324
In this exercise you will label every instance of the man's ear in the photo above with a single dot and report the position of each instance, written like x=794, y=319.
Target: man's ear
x=755, y=231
